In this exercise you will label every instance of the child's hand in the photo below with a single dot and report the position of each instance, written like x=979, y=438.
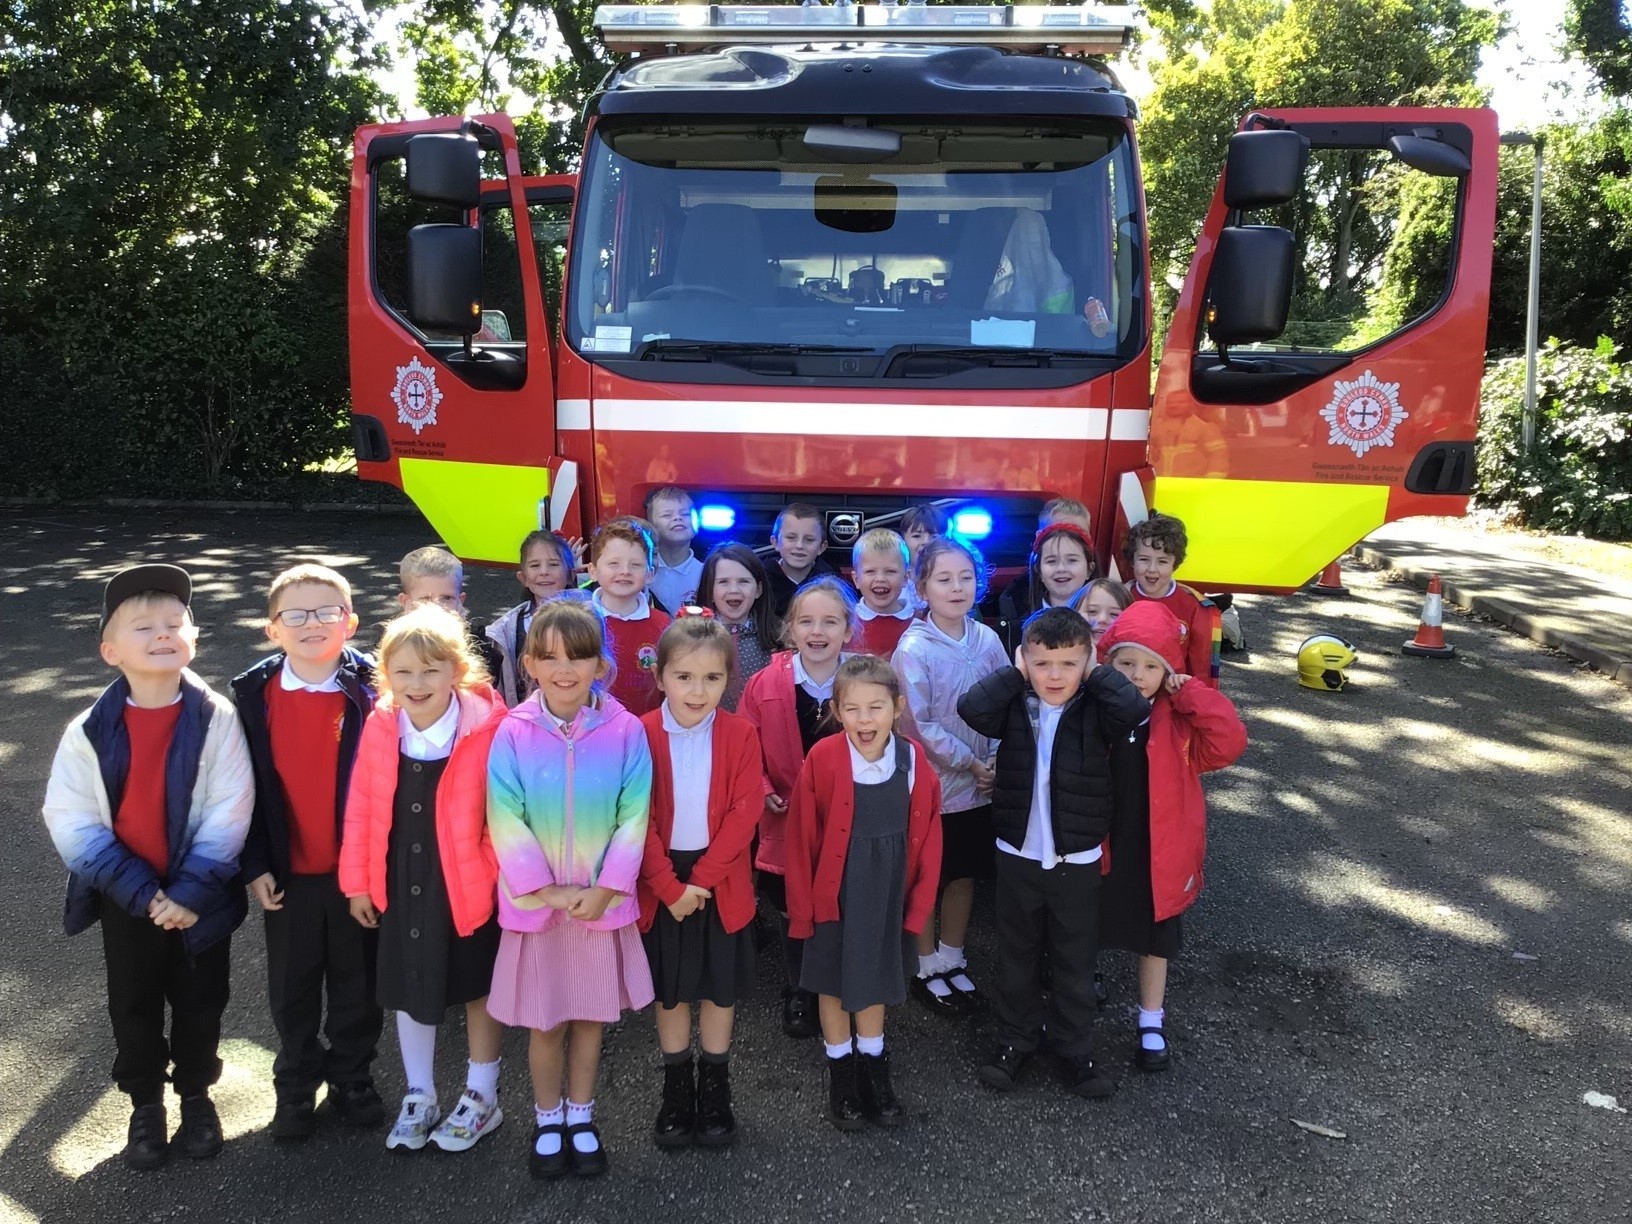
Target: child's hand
x=1020, y=662
x=777, y=804
x=985, y=776
x=362, y=909
x=557, y=896
x=158, y=903
x=692, y=900
x=1175, y=682
x=579, y=551
x=264, y=888
x=590, y=903
x=173, y=917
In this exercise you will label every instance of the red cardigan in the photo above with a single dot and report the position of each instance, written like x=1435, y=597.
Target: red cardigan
x=819, y=819
x=767, y=703
x=1192, y=731
x=469, y=866
x=735, y=800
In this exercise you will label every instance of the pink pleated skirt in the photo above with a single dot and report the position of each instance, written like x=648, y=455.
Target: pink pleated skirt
x=569, y=972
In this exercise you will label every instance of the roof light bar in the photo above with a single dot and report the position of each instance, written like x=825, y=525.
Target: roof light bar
x=1090, y=29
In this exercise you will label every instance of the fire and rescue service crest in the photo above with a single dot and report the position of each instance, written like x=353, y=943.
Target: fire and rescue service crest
x=416, y=395
x=1363, y=413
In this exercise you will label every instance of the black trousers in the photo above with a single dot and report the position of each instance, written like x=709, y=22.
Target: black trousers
x=1058, y=910
x=314, y=947
x=147, y=968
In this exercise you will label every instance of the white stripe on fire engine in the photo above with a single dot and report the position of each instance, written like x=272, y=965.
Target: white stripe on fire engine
x=1130, y=425
x=875, y=420
x=572, y=414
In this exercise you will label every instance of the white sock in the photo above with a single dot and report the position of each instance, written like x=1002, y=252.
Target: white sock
x=929, y=964
x=842, y=1050
x=577, y=1115
x=549, y=1144
x=872, y=1046
x=1152, y=1019
x=951, y=958
x=483, y=1079
x=418, y=1045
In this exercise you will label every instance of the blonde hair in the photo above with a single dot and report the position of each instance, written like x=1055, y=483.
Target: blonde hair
x=1065, y=510
x=578, y=626
x=825, y=584
x=297, y=575
x=432, y=561
x=866, y=669
x=688, y=633
x=880, y=540
x=436, y=636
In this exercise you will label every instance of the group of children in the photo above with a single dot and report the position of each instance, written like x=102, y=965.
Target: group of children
x=578, y=810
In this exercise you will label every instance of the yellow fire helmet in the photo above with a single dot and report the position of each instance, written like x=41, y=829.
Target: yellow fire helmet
x=1322, y=661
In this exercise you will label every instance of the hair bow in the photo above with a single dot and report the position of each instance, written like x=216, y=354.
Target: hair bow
x=695, y=610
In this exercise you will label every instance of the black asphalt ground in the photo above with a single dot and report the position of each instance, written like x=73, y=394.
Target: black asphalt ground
x=1416, y=932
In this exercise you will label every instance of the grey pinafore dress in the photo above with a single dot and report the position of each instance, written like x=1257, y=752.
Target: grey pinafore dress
x=862, y=958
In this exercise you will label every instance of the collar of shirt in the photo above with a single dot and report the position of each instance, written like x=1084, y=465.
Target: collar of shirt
x=932, y=627
x=643, y=607
x=1172, y=585
x=691, y=561
x=290, y=682
x=674, y=728
x=433, y=743
x=905, y=612
x=820, y=691
x=872, y=773
x=131, y=702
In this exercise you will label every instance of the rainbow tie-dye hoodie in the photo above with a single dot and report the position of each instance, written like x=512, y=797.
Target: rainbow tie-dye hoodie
x=568, y=806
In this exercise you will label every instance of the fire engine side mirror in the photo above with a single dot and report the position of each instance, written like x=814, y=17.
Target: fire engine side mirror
x=444, y=275
x=1430, y=155
x=1265, y=167
x=445, y=168
x=1249, y=290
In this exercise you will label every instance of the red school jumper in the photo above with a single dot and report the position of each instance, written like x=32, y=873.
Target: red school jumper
x=819, y=819
x=1204, y=631
x=634, y=649
x=736, y=796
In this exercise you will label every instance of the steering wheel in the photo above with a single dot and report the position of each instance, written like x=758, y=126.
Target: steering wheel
x=666, y=292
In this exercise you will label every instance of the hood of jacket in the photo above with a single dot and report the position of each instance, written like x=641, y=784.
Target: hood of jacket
x=597, y=713
x=1150, y=626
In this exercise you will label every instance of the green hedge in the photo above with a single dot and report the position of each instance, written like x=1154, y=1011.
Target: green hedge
x=1578, y=477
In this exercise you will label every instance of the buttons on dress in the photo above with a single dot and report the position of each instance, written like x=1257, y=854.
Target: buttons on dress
x=417, y=847
x=418, y=768
x=414, y=890
x=414, y=807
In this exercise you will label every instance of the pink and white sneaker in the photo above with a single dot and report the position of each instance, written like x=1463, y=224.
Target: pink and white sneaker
x=471, y=1120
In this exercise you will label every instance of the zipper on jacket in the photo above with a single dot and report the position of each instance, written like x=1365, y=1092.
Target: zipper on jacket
x=572, y=760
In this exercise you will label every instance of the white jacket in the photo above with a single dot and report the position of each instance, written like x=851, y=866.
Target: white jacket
x=935, y=670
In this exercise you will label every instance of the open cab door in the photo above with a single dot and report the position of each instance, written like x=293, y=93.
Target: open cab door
x=1297, y=409
x=454, y=258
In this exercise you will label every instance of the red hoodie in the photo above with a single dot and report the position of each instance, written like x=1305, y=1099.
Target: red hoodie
x=1192, y=731
x=1203, y=630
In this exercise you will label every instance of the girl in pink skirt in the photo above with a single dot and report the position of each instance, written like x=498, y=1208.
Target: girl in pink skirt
x=569, y=784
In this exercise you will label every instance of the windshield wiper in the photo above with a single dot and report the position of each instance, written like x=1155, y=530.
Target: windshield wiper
x=707, y=350
x=935, y=360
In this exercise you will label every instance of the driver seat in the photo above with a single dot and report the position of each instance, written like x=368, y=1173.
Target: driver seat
x=721, y=247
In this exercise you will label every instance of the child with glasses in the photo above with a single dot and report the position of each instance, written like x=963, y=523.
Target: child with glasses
x=303, y=709
x=434, y=575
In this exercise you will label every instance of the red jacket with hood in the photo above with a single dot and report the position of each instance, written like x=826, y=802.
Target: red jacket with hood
x=736, y=796
x=1192, y=731
x=768, y=704
x=466, y=850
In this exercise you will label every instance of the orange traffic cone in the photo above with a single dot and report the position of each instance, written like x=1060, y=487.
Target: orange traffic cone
x=1330, y=581
x=1430, y=640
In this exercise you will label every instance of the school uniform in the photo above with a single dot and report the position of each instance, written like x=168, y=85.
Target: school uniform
x=140, y=800
x=881, y=632
x=303, y=741
x=1051, y=808
x=706, y=800
x=1203, y=629
x=632, y=638
x=864, y=850
x=675, y=586
x=752, y=657
x=779, y=588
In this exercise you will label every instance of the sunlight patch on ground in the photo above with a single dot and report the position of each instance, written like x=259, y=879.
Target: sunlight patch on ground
x=1522, y=893
x=1528, y=1018
x=1384, y=981
x=1338, y=882
x=243, y=1098
x=14, y=1212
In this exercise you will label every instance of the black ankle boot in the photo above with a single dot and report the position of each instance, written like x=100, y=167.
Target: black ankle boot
x=677, y=1119
x=878, y=1098
x=716, y=1124
x=844, y=1094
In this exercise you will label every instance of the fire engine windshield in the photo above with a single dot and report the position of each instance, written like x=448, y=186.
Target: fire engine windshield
x=732, y=239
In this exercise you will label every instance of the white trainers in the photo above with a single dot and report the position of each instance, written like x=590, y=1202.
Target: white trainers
x=414, y=1122
x=471, y=1120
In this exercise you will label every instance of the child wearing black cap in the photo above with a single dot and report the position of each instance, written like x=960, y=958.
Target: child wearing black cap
x=148, y=803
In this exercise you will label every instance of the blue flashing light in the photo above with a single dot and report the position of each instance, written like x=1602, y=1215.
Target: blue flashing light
x=714, y=518
x=972, y=523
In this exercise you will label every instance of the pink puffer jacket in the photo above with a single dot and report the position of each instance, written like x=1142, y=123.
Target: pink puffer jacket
x=468, y=863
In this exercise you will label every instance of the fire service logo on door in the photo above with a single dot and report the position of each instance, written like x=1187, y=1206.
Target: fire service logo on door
x=416, y=395
x=1363, y=413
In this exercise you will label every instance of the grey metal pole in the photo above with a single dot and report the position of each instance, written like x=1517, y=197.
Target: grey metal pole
x=1532, y=331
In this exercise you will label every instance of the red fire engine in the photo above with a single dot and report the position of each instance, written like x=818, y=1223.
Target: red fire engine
x=871, y=255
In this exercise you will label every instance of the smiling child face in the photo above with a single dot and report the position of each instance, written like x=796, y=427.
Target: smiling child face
x=313, y=644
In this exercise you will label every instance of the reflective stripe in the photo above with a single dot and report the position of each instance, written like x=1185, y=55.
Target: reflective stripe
x=1130, y=425
x=481, y=510
x=572, y=414
x=849, y=419
x=1266, y=533
x=566, y=484
x=1433, y=610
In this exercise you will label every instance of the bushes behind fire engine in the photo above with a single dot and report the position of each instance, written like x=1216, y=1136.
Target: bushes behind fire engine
x=1578, y=475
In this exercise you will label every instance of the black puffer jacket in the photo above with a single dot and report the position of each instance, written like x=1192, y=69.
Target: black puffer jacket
x=1003, y=707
